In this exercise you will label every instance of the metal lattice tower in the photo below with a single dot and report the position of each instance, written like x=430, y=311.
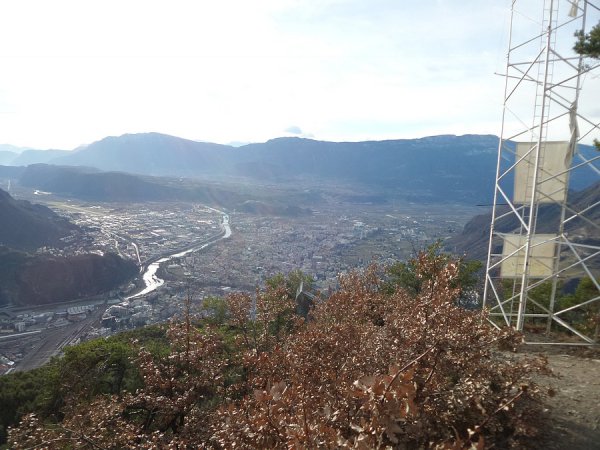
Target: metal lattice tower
x=533, y=253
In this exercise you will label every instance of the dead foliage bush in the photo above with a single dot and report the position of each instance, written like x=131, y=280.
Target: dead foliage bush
x=368, y=369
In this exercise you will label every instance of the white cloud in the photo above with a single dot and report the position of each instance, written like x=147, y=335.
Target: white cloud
x=293, y=129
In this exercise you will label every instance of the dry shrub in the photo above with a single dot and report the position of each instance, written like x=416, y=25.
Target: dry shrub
x=178, y=393
x=368, y=369
x=372, y=370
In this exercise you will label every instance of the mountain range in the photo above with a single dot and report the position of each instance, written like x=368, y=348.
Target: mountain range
x=443, y=168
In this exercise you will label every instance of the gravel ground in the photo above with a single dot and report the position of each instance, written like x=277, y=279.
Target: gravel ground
x=573, y=413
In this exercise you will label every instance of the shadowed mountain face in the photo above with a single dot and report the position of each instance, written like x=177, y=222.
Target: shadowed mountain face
x=27, y=279
x=34, y=280
x=431, y=169
x=27, y=226
x=473, y=241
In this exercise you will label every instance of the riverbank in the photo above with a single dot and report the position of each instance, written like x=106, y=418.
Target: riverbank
x=153, y=282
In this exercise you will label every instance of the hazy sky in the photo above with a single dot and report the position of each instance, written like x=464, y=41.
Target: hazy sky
x=72, y=72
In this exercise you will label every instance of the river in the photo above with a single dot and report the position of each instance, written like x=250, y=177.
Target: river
x=150, y=278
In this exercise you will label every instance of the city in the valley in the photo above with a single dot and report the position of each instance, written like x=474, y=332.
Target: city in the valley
x=192, y=250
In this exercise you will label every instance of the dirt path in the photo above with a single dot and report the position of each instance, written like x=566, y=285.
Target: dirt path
x=573, y=416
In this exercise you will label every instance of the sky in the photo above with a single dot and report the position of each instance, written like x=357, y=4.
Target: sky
x=73, y=72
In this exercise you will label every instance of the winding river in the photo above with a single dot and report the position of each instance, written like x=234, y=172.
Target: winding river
x=152, y=281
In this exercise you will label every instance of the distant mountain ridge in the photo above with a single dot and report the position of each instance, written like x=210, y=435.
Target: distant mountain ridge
x=12, y=149
x=145, y=153
x=7, y=157
x=443, y=168
x=37, y=156
x=22, y=156
x=438, y=168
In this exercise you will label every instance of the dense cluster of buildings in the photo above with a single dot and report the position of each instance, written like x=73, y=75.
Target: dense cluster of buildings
x=320, y=245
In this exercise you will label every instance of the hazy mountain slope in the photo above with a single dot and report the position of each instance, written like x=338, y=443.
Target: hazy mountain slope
x=148, y=153
x=473, y=241
x=13, y=148
x=37, y=156
x=7, y=157
x=435, y=168
x=27, y=226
